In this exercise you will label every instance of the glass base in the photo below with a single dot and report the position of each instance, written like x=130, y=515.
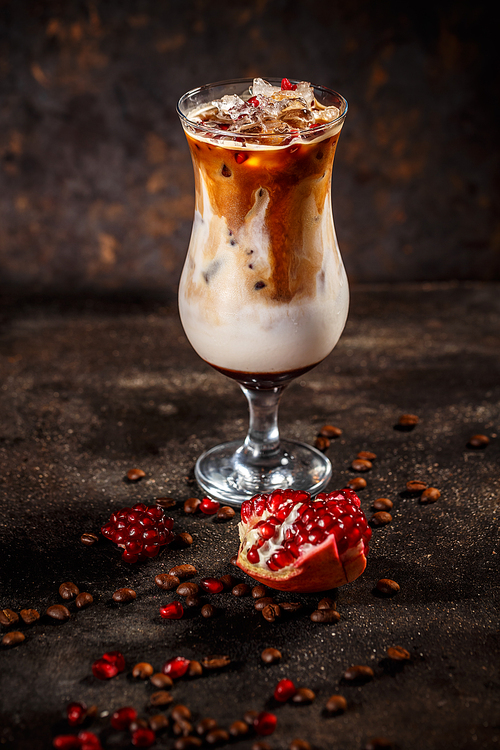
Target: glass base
x=227, y=474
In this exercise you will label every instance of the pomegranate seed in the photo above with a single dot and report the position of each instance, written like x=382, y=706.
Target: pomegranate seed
x=103, y=670
x=143, y=737
x=253, y=555
x=208, y=506
x=116, y=658
x=66, y=742
x=284, y=690
x=212, y=585
x=272, y=565
x=123, y=717
x=287, y=86
x=132, y=527
x=282, y=558
x=317, y=536
x=176, y=667
x=253, y=101
x=89, y=741
x=172, y=611
x=265, y=723
x=267, y=530
x=129, y=557
x=240, y=158
x=76, y=713
x=133, y=547
x=292, y=549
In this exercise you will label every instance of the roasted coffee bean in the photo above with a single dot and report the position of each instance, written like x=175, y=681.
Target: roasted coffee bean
x=322, y=443
x=258, y=591
x=188, y=588
x=382, y=503
x=180, y=711
x=191, y=505
x=290, y=607
x=29, y=616
x=329, y=431
x=360, y=464
x=271, y=656
x=225, y=513
x=325, y=615
x=378, y=743
x=195, y=669
x=217, y=736
x=249, y=717
x=234, y=560
x=299, y=745
x=478, y=441
x=387, y=587
x=89, y=539
x=356, y=483
x=415, y=485
x=183, y=571
x=358, y=673
x=238, y=729
x=83, y=600
x=381, y=518
x=186, y=743
x=398, y=653
x=366, y=456
x=182, y=727
x=58, y=612
x=124, y=595
x=271, y=612
x=68, y=590
x=166, y=502
x=326, y=603
x=241, y=589
x=205, y=725
x=229, y=581
x=208, y=610
x=158, y=722
x=408, y=420
x=167, y=582
x=143, y=670
x=263, y=602
x=133, y=475
x=303, y=696
x=8, y=617
x=182, y=540
x=192, y=601
x=13, y=638
x=160, y=698
x=161, y=681
x=336, y=704
x=430, y=495
x=215, y=662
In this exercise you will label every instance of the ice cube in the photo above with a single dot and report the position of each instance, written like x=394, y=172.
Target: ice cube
x=262, y=88
x=306, y=92
x=228, y=103
x=327, y=114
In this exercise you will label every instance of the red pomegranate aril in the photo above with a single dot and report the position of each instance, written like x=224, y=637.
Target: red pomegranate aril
x=208, y=506
x=76, y=713
x=123, y=717
x=116, y=658
x=292, y=549
x=253, y=101
x=143, y=737
x=89, y=741
x=133, y=547
x=103, y=670
x=317, y=536
x=212, y=585
x=150, y=550
x=287, y=86
x=265, y=723
x=139, y=530
x=240, y=158
x=66, y=742
x=284, y=690
x=172, y=611
x=282, y=559
x=129, y=557
x=253, y=555
x=140, y=506
x=267, y=530
x=176, y=667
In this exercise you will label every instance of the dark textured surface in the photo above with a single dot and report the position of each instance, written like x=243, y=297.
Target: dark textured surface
x=91, y=391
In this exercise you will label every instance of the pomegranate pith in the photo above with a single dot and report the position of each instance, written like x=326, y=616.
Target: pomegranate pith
x=292, y=542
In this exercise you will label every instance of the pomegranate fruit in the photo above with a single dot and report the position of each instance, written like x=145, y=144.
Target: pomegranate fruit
x=141, y=531
x=292, y=542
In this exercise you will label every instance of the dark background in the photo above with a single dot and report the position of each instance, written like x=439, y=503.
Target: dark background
x=96, y=191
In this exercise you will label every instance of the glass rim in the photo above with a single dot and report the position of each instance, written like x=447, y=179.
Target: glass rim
x=262, y=137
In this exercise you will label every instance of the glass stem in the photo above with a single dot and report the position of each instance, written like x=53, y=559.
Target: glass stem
x=263, y=438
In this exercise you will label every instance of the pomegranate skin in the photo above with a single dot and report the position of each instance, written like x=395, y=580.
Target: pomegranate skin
x=335, y=556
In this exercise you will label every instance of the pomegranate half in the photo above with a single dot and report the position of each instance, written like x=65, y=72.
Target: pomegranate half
x=292, y=542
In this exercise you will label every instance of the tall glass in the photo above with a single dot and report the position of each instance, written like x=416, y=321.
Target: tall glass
x=263, y=296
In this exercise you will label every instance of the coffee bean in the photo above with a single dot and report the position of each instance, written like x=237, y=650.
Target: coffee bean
x=408, y=420
x=299, y=745
x=238, y=729
x=205, y=725
x=29, y=616
x=160, y=698
x=478, y=441
x=261, y=745
x=303, y=696
x=180, y=711
x=192, y=601
x=208, y=610
x=166, y=502
x=8, y=617
x=430, y=495
x=215, y=662
x=161, y=681
x=271, y=612
x=378, y=743
x=329, y=431
x=358, y=673
x=191, y=505
x=158, y=722
x=142, y=670
x=186, y=743
x=88, y=539
x=382, y=503
x=124, y=595
x=225, y=513
x=217, y=736
x=322, y=443
x=195, y=669
x=167, y=582
x=290, y=607
x=271, y=656
x=356, y=483
x=188, y=588
x=234, y=560
x=360, y=464
x=398, y=653
x=241, y=589
x=325, y=615
x=183, y=571
x=58, y=612
x=183, y=727
x=13, y=638
x=68, y=590
x=133, y=475
x=381, y=518
x=259, y=604
x=367, y=455
x=326, y=603
x=181, y=540
x=387, y=587
x=336, y=704
x=258, y=591
x=229, y=581
x=415, y=485
x=83, y=600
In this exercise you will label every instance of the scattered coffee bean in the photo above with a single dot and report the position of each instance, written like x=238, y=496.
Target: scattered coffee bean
x=208, y=610
x=271, y=612
x=192, y=601
x=360, y=464
x=166, y=502
x=356, y=483
x=182, y=727
x=8, y=617
x=124, y=595
x=183, y=571
x=161, y=681
x=366, y=455
x=241, y=589
x=160, y=698
x=58, y=612
x=133, y=475
x=180, y=711
x=195, y=669
x=68, y=590
x=398, y=653
x=249, y=717
x=143, y=670
x=238, y=729
x=229, y=581
x=322, y=443
x=382, y=503
x=380, y=518
x=326, y=603
x=259, y=604
x=299, y=745
x=408, y=420
x=325, y=615
x=303, y=696
x=290, y=607
x=188, y=588
x=13, y=638
x=83, y=600
x=261, y=745
x=215, y=662
x=166, y=582
x=415, y=485
x=186, y=743
x=191, y=505
x=430, y=495
x=358, y=673
x=259, y=591
x=225, y=513
x=88, y=539
x=182, y=540
x=158, y=722
x=234, y=560
x=217, y=736
x=336, y=704
x=378, y=743
x=205, y=725
x=271, y=656
x=29, y=616
x=387, y=587
x=329, y=431
x=478, y=441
